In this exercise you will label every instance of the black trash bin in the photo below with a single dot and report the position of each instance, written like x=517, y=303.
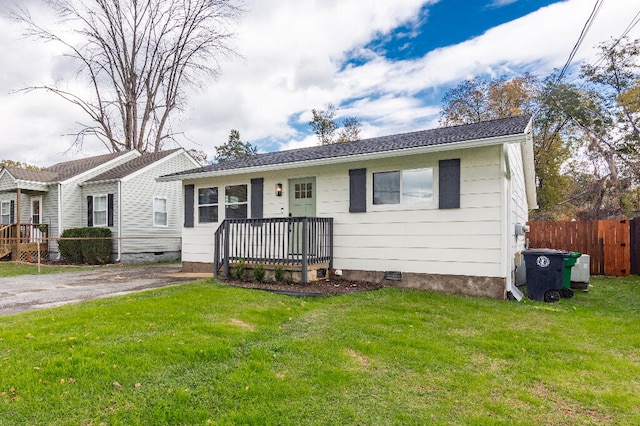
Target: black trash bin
x=545, y=271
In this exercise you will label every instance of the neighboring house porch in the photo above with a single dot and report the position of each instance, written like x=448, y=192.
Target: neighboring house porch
x=27, y=244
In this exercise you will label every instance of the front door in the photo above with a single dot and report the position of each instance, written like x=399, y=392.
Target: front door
x=36, y=213
x=302, y=197
x=36, y=218
x=302, y=203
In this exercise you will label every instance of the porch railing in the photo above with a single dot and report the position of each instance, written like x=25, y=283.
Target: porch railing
x=299, y=241
x=18, y=242
x=7, y=238
x=33, y=233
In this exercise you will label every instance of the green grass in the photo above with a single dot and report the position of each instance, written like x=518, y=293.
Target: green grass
x=13, y=269
x=203, y=353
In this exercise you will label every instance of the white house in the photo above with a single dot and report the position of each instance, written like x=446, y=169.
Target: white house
x=117, y=190
x=440, y=209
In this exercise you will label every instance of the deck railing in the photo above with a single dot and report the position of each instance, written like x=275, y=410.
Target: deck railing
x=299, y=241
x=7, y=238
x=17, y=242
x=33, y=233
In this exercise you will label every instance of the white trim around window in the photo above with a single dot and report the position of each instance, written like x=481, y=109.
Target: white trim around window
x=160, y=212
x=100, y=209
x=5, y=212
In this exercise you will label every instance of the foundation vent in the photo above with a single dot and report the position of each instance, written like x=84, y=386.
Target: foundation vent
x=393, y=275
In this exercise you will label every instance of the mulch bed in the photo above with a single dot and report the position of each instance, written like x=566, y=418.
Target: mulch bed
x=315, y=288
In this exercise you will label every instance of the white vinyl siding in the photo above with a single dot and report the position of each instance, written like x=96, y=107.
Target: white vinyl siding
x=409, y=238
x=138, y=232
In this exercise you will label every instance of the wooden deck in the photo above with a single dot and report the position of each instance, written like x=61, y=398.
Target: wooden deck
x=31, y=243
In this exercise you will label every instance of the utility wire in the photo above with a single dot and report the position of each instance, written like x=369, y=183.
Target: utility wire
x=583, y=33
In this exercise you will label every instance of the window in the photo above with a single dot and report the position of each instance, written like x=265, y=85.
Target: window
x=160, y=211
x=207, y=205
x=5, y=212
x=100, y=210
x=303, y=190
x=407, y=187
x=235, y=200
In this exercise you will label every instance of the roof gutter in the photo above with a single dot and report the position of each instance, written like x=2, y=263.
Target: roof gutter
x=349, y=158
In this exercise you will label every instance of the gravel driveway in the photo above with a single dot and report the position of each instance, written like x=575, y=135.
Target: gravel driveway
x=31, y=292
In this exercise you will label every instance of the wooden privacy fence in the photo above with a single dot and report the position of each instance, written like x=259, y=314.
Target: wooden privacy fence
x=609, y=243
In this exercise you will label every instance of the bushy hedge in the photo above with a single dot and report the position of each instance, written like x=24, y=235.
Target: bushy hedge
x=92, y=246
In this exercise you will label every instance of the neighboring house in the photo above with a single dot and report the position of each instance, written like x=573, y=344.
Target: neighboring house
x=438, y=209
x=117, y=190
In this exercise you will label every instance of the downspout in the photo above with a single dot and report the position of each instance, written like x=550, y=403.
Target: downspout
x=119, y=259
x=59, y=219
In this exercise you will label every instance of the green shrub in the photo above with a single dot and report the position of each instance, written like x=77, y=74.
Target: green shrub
x=92, y=246
x=279, y=274
x=259, y=273
x=239, y=270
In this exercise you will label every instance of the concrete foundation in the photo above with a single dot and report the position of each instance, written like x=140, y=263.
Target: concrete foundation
x=150, y=257
x=492, y=287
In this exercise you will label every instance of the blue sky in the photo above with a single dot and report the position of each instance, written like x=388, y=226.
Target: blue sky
x=451, y=22
x=386, y=62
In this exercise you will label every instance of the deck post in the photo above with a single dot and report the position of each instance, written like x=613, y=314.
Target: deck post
x=330, y=244
x=225, y=261
x=216, y=254
x=305, y=249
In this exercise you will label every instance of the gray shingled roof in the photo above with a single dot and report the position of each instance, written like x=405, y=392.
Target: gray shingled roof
x=62, y=171
x=69, y=169
x=424, y=138
x=19, y=173
x=132, y=166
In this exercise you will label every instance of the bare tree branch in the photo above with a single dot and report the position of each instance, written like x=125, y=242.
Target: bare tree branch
x=137, y=58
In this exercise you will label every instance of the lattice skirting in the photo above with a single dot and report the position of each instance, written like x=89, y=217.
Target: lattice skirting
x=32, y=256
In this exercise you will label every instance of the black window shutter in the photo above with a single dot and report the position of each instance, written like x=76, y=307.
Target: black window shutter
x=357, y=190
x=89, y=210
x=110, y=210
x=188, y=206
x=449, y=184
x=12, y=212
x=257, y=198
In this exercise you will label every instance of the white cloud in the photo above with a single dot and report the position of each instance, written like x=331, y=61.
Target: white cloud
x=294, y=54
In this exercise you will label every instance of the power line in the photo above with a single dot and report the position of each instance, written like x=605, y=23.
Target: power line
x=583, y=33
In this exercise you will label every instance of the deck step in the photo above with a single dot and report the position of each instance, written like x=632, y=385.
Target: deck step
x=4, y=252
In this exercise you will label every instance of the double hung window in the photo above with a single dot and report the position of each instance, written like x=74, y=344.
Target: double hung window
x=100, y=210
x=160, y=211
x=5, y=212
x=208, y=205
x=235, y=200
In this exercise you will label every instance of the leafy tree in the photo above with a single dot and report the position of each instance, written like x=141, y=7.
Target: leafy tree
x=324, y=126
x=350, y=130
x=481, y=99
x=323, y=123
x=234, y=148
x=11, y=163
x=137, y=58
x=605, y=112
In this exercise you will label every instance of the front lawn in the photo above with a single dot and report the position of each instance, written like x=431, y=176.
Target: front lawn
x=203, y=353
x=13, y=269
